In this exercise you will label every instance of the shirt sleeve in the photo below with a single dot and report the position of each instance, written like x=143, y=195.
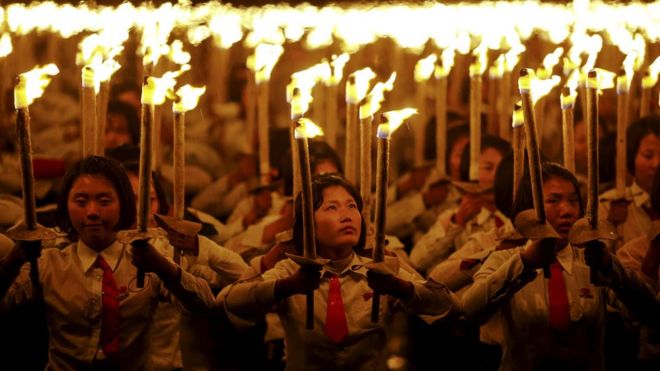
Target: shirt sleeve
x=430, y=300
x=227, y=265
x=501, y=276
x=457, y=271
x=437, y=244
x=246, y=301
x=632, y=255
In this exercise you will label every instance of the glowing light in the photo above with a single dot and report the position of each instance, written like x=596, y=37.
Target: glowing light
x=356, y=91
x=338, y=63
x=518, y=118
x=537, y=88
x=157, y=89
x=188, y=98
x=394, y=120
x=31, y=84
x=5, y=45
x=649, y=80
x=265, y=58
x=549, y=62
x=307, y=128
x=376, y=96
x=424, y=68
x=176, y=53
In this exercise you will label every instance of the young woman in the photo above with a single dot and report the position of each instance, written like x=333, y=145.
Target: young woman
x=550, y=296
x=97, y=317
x=633, y=217
x=642, y=256
x=474, y=212
x=344, y=336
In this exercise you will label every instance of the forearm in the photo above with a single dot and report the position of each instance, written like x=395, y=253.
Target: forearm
x=193, y=293
x=637, y=296
x=651, y=265
x=9, y=270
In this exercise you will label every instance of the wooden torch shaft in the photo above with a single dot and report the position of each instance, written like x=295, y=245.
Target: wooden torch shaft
x=179, y=164
x=382, y=174
x=309, y=239
x=534, y=157
x=475, y=126
x=420, y=127
x=101, y=117
x=365, y=169
x=441, y=124
x=88, y=120
x=27, y=173
x=262, y=129
x=518, y=156
x=568, y=138
x=592, y=156
x=505, y=115
x=331, y=115
x=621, y=126
x=351, y=141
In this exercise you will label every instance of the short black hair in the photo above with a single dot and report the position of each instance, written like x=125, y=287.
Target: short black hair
x=487, y=141
x=524, y=200
x=109, y=169
x=319, y=183
x=636, y=132
x=117, y=107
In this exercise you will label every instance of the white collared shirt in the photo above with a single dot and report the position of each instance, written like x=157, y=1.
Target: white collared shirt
x=638, y=221
x=363, y=348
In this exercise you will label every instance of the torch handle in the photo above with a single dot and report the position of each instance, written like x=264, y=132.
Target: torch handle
x=375, y=308
x=592, y=153
x=382, y=174
x=534, y=156
x=441, y=124
x=32, y=251
x=309, y=318
x=139, y=278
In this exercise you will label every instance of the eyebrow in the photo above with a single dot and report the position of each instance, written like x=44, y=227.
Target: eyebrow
x=555, y=194
x=102, y=194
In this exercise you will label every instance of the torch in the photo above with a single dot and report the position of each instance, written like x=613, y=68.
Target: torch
x=648, y=82
x=442, y=69
x=423, y=70
x=30, y=86
x=394, y=119
x=371, y=105
x=332, y=86
x=356, y=89
x=307, y=129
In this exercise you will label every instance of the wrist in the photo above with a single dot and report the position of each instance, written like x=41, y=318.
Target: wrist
x=404, y=290
x=282, y=288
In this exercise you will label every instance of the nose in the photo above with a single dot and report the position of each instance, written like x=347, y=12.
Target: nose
x=567, y=210
x=92, y=210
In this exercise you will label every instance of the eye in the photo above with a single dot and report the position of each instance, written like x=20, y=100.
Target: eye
x=105, y=201
x=352, y=206
x=331, y=207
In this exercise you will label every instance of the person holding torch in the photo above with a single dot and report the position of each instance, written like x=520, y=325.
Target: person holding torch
x=343, y=336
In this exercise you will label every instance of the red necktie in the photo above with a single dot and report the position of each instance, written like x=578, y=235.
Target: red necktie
x=109, y=310
x=335, y=321
x=559, y=313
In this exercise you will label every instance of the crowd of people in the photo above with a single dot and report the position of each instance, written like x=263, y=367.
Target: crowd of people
x=460, y=287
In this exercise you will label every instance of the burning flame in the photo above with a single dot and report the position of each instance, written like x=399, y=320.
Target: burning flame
x=424, y=68
x=5, y=45
x=604, y=80
x=299, y=90
x=307, y=128
x=226, y=28
x=376, y=97
x=176, y=53
x=549, y=62
x=188, y=98
x=394, y=120
x=445, y=63
x=478, y=67
x=536, y=87
x=337, y=63
x=265, y=58
x=496, y=71
x=623, y=81
x=158, y=88
x=31, y=84
x=356, y=92
x=651, y=78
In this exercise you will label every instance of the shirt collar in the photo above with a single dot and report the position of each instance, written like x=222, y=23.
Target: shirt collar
x=565, y=258
x=356, y=266
x=111, y=254
x=640, y=197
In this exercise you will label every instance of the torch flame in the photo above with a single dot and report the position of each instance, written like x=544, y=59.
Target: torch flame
x=445, y=63
x=537, y=88
x=188, y=98
x=299, y=90
x=513, y=56
x=31, y=84
x=651, y=78
x=496, y=71
x=376, y=97
x=549, y=62
x=176, y=53
x=424, y=68
x=338, y=63
x=158, y=88
x=307, y=129
x=5, y=45
x=478, y=67
x=356, y=92
x=394, y=120
x=265, y=58
x=604, y=80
